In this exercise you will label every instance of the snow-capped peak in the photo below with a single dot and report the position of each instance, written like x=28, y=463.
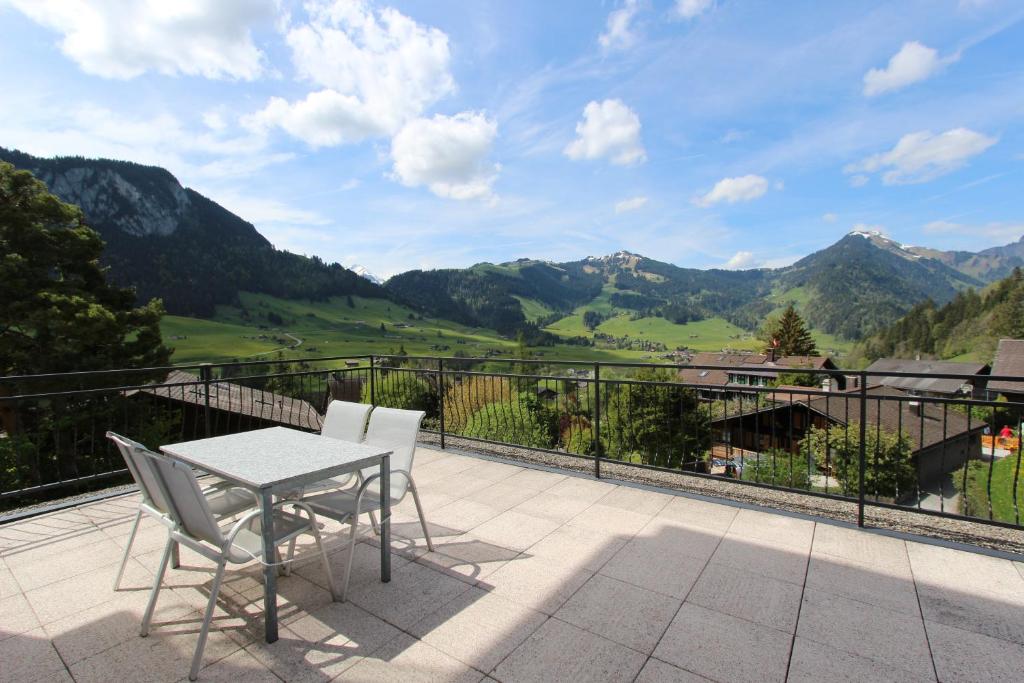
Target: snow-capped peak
x=362, y=272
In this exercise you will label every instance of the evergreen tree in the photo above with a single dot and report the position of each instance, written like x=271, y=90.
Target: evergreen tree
x=789, y=335
x=57, y=311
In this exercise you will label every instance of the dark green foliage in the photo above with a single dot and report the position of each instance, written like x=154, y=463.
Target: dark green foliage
x=636, y=302
x=211, y=255
x=591, y=319
x=788, y=335
x=523, y=421
x=889, y=471
x=779, y=468
x=57, y=311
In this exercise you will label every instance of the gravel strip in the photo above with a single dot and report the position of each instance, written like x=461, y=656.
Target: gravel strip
x=904, y=521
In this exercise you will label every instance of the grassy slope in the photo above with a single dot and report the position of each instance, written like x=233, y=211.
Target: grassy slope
x=533, y=309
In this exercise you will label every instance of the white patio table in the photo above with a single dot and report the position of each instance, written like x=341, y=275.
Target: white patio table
x=278, y=460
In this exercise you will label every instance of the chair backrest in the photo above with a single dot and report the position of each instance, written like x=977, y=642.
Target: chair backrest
x=141, y=471
x=395, y=430
x=188, y=505
x=346, y=421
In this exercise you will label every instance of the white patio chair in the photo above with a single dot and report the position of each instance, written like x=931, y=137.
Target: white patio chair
x=345, y=421
x=224, y=500
x=395, y=430
x=196, y=527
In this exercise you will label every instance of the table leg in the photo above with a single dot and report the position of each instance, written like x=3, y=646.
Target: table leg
x=385, y=519
x=269, y=566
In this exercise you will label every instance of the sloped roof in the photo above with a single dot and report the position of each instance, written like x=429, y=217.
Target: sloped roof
x=1009, y=361
x=239, y=399
x=924, y=384
x=756, y=364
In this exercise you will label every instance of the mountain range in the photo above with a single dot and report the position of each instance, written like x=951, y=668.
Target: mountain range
x=172, y=242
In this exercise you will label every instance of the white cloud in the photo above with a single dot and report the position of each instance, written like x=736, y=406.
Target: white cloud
x=631, y=204
x=376, y=70
x=688, y=9
x=922, y=156
x=214, y=120
x=914, y=62
x=117, y=39
x=869, y=228
x=448, y=154
x=733, y=135
x=260, y=210
x=995, y=230
x=350, y=184
x=608, y=129
x=618, y=34
x=741, y=260
x=732, y=190
x=829, y=217
x=859, y=180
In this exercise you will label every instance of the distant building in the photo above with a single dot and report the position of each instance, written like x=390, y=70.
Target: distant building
x=730, y=372
x=1009, y=362
x=939, y=387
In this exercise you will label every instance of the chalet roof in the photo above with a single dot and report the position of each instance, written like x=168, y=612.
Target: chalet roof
x=239, y=399
x=754, y=364
x=1009, y=361
x=935, y=385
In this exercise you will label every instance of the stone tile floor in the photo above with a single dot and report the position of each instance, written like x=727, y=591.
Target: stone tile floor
x=536, y=576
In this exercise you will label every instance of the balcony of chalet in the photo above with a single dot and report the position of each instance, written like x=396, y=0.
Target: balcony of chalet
x=538, y=574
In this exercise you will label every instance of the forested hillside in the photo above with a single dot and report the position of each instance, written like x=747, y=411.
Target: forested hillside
x=968, y=326
x=173, y=243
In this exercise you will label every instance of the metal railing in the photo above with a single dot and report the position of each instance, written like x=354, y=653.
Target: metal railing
x=848, y=438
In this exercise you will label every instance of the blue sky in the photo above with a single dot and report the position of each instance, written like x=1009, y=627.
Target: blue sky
x=427, y=134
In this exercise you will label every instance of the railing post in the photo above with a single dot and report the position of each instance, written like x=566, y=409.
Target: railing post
x=440, y=395
x=373, y=397
x=205, y=374
x=597, y=420
x=862, y=451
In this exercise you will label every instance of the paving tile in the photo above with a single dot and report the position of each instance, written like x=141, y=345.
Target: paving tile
x=558, y=651
x=493, y=471
x=613, y=520
x=895, y=639
x=239, y=666
x=410, y=661
x=365, y=566
x=990, y=614
x=553, y=506
x=724, y=648
x=948, y=568
x=753, y=597
x=620, y=612
x=467, y=558
x=813, y=662
x=16, y=616
x=774, y=528
x=443, y=469
x=458, y=485
x=8, y=585
x=667, y=563
x=966, y=656
x=101, y=553
x=85, y=591
x=342, y=632
x=43, y=547
x=587, y=490
x=763, y=558
x=297, y=660
x=464, y=514
x=879, y=585
x=657, y=671
x=584, y=547
x=479, y=628
x=503, y=495
x=514, y=530
x=430, y=499
x=538, y=480
x=29, y=657
x=699, y=513
x=864, y=547
x=414, y=592
x=637, y=500
x=541, y=583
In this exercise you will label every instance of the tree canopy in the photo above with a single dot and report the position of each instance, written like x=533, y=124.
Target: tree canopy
x=57, y=311
x=789, y=335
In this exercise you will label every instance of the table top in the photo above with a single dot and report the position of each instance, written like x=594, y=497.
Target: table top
x=275, y=457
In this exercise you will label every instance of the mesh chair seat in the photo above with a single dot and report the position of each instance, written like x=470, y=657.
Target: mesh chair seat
x=248, y=542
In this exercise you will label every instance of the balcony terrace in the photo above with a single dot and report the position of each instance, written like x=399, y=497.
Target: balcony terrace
x=537, y=575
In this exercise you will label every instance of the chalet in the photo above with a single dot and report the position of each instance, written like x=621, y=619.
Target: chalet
x=1009, y=362
x=938, y=387
x=730, y=372
x=941, y=440
x=232, y=406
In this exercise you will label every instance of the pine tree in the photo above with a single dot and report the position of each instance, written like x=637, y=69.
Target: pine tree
x=789, y=335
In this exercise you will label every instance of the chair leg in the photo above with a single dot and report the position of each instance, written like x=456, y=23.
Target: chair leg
x=419, y=511
x=157, y=582
x=373, y=522
x=326, y=562
x=291, y=558
x=354, y=520
x=128, y=548
x=211, y=605
x=176, y=555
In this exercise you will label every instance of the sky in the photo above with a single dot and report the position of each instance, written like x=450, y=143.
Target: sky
x=437, y=133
